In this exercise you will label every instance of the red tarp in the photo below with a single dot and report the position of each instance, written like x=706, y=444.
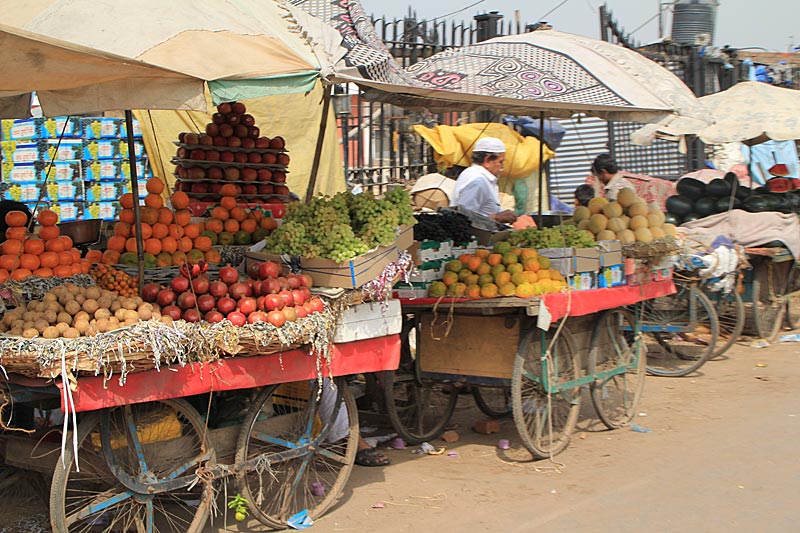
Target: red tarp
x=371, y=355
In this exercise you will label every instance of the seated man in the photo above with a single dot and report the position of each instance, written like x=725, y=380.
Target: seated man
x=606, y=170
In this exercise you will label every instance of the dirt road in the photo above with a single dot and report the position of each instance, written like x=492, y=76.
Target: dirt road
x=721, y=456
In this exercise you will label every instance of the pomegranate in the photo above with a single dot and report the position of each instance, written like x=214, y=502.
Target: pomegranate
x=252, y=270
x=165, y=297
x=298, y=297
x=293, y=280
x=226, y=305
x=268, y=270
x=306, y=292
x=218, y=289
x=191, y=315
x=290, y=314
x=172, y=311
x=228, y=275
x=213, y=317
x=317, y=304
x=273, y=302
x=306, y=280
x=239, y=290
x=226, y=157
x=236, y=318
x=287, y=297
x=246, y=305
x=270, y=286
x=150, y=292
x=276, y=318
x=206, y=303
x=257, y=316
x=283, y=283
x=260, y=303
x=200, y=285
x=180, y=284
x=301, y=311
x=186, y=300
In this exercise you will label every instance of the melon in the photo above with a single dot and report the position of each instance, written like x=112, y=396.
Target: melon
x=617, y=224
x=643, y=235
x=670, y=230
x=614, y=209
x=638, y=222
x=606, y=235
x=639, y=208
x=655, y=220
x=581, y=213
x=626, y=197
x=627, y=220
x=658, y=233
x=584, y=224
x=598, y=223
x=626, y=236
x=596, y=205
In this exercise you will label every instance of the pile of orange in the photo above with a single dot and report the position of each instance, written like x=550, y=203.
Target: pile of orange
x=46, y=255
x=228, y=218
x=169, y=236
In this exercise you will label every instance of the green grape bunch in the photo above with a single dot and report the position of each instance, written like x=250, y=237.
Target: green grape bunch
x=555, y=237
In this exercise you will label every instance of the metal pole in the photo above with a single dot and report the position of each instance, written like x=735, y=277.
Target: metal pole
x=323, y=125
x=137, y=219
x=540, y=221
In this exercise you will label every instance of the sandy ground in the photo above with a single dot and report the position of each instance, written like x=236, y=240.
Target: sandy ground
x=721, y=455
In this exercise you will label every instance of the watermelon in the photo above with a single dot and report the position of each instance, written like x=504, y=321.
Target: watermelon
x=705, y=206
x=718, y=188
x=679, y=205
x=691, y=188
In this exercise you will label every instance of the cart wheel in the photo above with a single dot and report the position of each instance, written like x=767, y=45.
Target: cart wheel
x=419, y=409
x=545, y=422
x=732, y=316
x=681, y=331
x=768, y=308
x=494, y=402
x=138, y=467
x=793, y=302
x=615, y=350
x=284, y=459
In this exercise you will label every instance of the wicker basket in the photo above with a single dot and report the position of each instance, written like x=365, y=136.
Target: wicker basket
x=650, y=250
x=164, y=275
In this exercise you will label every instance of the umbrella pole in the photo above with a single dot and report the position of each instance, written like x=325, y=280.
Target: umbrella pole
x=323, y=125
x=137, y=219
x=540, y=217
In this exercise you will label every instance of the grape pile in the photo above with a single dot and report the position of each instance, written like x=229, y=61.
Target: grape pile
x=443, y=227
x=555, y=237
x=341, y=227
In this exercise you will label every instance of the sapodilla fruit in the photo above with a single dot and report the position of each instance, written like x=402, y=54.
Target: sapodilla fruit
x=658, y=233
x=655, y=219
x=670, y=230
x=596, y=205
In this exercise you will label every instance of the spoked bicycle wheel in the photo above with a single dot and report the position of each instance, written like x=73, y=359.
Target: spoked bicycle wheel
x=680, y=331
x=296, y=450
x=545, y=421
x=494, y=402
x=769, y=285
x=138, y=472
x=731, y=315
x=617, y=358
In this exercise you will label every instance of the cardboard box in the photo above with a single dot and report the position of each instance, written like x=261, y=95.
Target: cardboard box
x=583, y=281
x=610, y=253
x=70, y=211
x=110, y=149
x=349, y=274
x=115, y=169
x=611, y=276
x=40, y=128
x=63, y=150
x=368, y=321
x=108, y=128
x=568, y=261
x=19, y=151
x=410, y=290
x=24, y=192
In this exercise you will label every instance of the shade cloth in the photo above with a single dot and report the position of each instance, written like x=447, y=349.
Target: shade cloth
x=752, y=229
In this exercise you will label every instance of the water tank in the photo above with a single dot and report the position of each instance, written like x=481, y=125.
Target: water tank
x=693, y=21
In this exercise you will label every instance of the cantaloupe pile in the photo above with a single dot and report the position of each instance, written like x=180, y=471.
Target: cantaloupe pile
x=231, y=224
x=44, y=255
x=169, y=236
x=629, y=219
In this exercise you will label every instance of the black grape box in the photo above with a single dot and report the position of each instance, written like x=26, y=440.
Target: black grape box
x=349, y=274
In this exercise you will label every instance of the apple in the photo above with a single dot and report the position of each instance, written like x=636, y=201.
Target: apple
x=247, y=142
x=233, y=119
x=241, y=131
x=248, y=120
x=191, y=139
x=182, y=172
x=277, y=143
x=224, y=108
x=217, y=118
x=212, y=129
x=240, y=157
x=269, y=159
x=212, y=155
x=262, y=142
x=279, y=176
x=238, y=107
x=196, y=173
x=206, y=140
x=276, y=318
x=254, y=132
x=226, y=157
x=236, y=318
x=183, y=186
x=183, y=153
x=226, y=130
x=264, y=174
x=197, y=155
x=216, y=187
x=199, y=187
x=283, y=159
x=265, y=188
x=254, y=158
x=282, y=190
x=250, y=189
x=234, y=142
x=249, y=174
x=182, y=136
x=220, y=141
x=231, y=173
x=214, y=173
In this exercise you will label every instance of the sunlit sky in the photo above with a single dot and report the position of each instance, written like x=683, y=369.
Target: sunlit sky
x=771, y=24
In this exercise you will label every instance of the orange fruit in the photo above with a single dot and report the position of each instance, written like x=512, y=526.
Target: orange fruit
x=220, y=213
x=147, y=231
x=123, y=229
x=21, y=274
x=29, y=261
x=178, y=258
x=160, y=230
x=111, y=257
x=49, y=232
x=202, y=243
x=483, y=253
x=126, y=200
x=17, y=232
x=213, y=256
x=43, y=272
x=9, y=262
x=228, y=202
x=249, y=225
x=33, y=246
x=148, y=215
x=76, y=269
x=155, y=186
x=67, y=241
x=86, y=266
x=130, y=244
x=152, y=246
x=494, y=259
x=49, y=259
x=180, y=200
x=192, y=230
x=117, y=243
x=231, y=225
x=229, y=189
x=4, y=275
x=257, y=215
x=215, y=225
x=183, y=217
x=185, y=244
x=63, y=271
x=94, y=256
x=269, y=223
x=18, y=219
x=13, y=247
x=65, y=258
x=126, y=215
x=76, y=255
x=47, y=217
x=154, y=200
x=238, y=214
x=165, y=215
x=169, y=245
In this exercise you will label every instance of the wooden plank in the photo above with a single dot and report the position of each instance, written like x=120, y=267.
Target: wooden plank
x=475, y=346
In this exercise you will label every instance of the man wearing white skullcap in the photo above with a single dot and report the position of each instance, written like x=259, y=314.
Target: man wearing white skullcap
x=476, y=187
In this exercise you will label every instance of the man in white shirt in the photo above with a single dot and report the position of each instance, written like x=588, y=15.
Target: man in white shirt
x=611, y=180
x=476, y=187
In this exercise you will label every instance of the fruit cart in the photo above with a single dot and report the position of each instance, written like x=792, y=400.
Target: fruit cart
x=509, y=342
x=147, y=461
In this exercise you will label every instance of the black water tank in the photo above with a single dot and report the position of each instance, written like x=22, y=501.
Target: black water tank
x=691, y=18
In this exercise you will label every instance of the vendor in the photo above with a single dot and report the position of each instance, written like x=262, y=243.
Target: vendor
x=605, y=169
x=476, y=188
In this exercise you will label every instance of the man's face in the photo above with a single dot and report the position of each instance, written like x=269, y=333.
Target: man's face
x=495, y=166
x=602, y=175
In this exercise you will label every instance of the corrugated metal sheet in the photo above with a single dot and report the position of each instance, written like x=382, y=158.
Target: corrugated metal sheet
x=585, y=139
x=661, y=160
